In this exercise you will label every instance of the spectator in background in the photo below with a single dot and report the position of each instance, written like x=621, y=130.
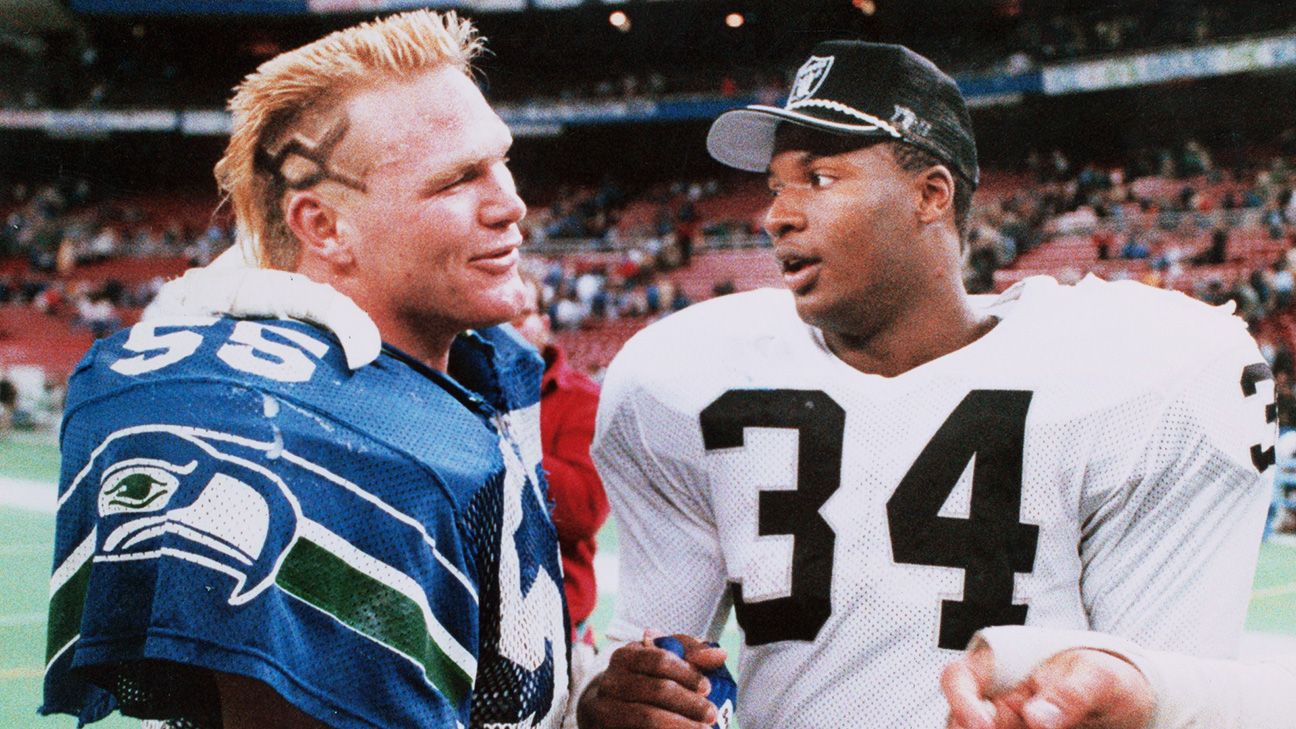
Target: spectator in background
x=679, y=299
x=1135, y=249
x=568, y=403
x=1060, y=166
x=8, y=405
x=1248, y=302
x=103, y=246
x=1195, y=159
x=1272, y=220
x=1284, y=398
x=1103, y=240
x=97, y=313
x=52, y=400
x=1169, y=257
x=1281, y=282
x=1284, y=481
x=65, y=259
x=589, y=284
x=48, y=299
x=1217, y=253
x=981, y=263
x=1282, y=362
x=653, y=297
x=688, y=223
x=568, y=313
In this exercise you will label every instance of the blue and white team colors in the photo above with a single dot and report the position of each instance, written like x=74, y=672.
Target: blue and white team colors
x=373, y=544
x=1097, y=460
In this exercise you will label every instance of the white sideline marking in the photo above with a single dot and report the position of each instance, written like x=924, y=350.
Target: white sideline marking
x=26, y=550
x=1275, y=591
x=28, y=495
x=22, y=620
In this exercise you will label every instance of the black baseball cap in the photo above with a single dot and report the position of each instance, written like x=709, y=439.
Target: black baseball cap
x=857, y=88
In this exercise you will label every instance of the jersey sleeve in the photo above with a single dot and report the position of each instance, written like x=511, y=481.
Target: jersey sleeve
x=1169, y=553
x=672, y=574
x=1222, y=694
x=207, y=525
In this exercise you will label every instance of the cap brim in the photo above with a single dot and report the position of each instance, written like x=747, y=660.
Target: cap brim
x=744, y=138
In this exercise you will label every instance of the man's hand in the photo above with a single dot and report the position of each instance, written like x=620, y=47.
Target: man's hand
x=648, y=687
x=246, y=703
x=1074, y=689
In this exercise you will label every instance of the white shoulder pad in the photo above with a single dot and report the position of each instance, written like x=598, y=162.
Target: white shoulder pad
x=708, y=332
x=1147, y=334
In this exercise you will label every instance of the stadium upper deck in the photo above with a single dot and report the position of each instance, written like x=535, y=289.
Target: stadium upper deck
x=627, y=182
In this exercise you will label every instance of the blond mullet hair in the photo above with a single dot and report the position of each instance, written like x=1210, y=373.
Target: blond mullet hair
x=270, y=102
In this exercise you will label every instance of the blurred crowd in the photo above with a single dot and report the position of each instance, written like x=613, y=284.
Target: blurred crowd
x=1153, y=208
x=53, y=235
x=43, y=410
x=1027, y=37
x=1171, y=217
x=576, y=291
x=136, y=65
x=666, y=215
x=62, y=225
x=1157, y=209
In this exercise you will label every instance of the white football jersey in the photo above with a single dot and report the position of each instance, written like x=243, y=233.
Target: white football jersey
x=1095, y=460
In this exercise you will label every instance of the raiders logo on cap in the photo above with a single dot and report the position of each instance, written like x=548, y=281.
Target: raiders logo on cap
x=810, y=77
x=854, y=88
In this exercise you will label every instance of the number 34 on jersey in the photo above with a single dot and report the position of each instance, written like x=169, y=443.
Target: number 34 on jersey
x=1049, y=473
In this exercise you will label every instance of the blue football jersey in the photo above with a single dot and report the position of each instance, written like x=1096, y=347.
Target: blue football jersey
x=374, y=544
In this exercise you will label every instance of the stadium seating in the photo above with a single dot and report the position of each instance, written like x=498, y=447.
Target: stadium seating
x=130, y=271
x=592, y=347
x=28, y=337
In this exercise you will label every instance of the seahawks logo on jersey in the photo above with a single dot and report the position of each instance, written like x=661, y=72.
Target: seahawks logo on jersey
x=211, y=500
x=198, y=504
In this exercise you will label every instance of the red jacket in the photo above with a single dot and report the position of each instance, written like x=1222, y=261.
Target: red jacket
x=568, y=403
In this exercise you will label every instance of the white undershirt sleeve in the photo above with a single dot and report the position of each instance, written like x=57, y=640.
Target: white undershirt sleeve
x=1190, y=692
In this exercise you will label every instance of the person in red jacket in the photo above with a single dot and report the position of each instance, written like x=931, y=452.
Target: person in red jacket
x=568, y=403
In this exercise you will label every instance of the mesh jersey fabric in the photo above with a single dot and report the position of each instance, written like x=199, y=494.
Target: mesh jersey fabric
x=1095, y=460
x=374, y=545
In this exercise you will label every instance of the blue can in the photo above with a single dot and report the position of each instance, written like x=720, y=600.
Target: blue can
x=724, y=690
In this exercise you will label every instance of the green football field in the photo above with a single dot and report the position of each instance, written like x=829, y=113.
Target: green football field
x=29, y=465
